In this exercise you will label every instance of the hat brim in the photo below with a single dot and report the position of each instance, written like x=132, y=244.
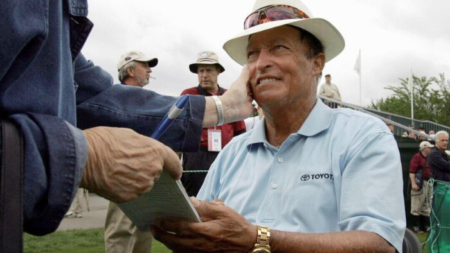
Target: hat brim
x=331, y=39
x=152, y=62
x=193, y=67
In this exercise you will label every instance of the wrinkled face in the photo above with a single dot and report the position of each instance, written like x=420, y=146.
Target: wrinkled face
x=207, y=76
x=442, y=142
x=142, y=73
x=280, y=72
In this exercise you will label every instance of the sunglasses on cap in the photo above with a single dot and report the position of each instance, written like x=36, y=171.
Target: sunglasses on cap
x=273, y=13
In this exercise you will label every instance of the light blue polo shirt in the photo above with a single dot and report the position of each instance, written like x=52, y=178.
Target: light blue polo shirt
x=341, y=171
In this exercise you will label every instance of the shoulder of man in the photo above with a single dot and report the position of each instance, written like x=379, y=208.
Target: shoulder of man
x=192, y=91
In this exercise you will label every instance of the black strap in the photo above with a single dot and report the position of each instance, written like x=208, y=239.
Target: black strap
x=11, y=184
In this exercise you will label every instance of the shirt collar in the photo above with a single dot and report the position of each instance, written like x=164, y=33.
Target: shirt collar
x=203, y=92
x=318, y=120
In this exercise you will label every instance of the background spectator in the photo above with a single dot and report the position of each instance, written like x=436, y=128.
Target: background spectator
x=208, y=69
x=438, y=159
x=420, y=196
x=329, y=89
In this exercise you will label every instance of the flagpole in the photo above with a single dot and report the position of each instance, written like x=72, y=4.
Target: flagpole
x=360, y=78
x=412, y=98
x=357, y=68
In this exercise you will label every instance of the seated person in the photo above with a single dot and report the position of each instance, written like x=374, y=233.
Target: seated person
x=308, y=178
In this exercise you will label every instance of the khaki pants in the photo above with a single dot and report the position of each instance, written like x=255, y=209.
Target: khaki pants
x=121, y=236
x=76, y=206
x=421, y=200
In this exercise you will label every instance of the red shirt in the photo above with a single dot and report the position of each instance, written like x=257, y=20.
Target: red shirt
x=417, y=163
x=228, y=130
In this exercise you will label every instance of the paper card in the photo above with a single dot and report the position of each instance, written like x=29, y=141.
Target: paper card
x=214, y=140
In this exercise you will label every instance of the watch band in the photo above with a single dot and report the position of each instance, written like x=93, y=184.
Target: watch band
x=262, y=240
x=219, y=108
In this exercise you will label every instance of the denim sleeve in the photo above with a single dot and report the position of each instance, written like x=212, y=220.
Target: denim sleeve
x=99, y=103
x=55, y=155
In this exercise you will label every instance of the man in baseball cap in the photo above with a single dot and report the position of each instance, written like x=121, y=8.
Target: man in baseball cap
x=135, y=68
x=308, y=178
x=121, y=235
x=420, y=207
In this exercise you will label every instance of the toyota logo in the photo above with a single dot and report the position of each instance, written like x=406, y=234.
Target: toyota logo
x=305, y=177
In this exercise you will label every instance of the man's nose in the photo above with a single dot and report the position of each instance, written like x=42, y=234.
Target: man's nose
x=264, y=60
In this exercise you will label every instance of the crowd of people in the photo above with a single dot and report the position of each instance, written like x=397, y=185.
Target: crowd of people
x=432, y=161
x=422, y=136
x=306, y=178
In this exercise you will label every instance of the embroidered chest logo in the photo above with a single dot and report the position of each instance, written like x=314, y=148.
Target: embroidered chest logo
x=323, y=176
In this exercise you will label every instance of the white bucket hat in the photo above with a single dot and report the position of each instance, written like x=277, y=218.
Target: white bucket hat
x=206, y=58
x=136, y=56
x=332, y=41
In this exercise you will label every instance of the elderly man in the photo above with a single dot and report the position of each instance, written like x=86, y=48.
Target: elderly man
x=135, y=68
x=329, y=89
x=42, y=60
x=120, y=234
x=438, y=159
x=309, y=179
x=420, y=195
x=208, y=69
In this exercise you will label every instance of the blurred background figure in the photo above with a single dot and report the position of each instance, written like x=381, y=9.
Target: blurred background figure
x=329, y=89
x=420, y=194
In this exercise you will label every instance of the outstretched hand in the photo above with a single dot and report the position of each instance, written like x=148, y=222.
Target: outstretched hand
x=123, y=164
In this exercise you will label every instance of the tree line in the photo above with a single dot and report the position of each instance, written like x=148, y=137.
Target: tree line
x=430, y=103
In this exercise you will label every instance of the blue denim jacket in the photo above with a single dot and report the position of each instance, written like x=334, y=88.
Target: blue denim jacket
x=46, y=86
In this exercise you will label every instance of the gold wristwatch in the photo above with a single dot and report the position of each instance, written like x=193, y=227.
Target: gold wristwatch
x=262, y=241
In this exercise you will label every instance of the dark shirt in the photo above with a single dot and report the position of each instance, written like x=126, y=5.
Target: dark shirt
x=439, y=165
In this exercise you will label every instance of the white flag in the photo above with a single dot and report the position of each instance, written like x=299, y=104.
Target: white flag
x=357, y=67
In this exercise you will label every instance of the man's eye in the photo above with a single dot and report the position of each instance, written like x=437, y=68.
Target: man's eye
x=251, y=54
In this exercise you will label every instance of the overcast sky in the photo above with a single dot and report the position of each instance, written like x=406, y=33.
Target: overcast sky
x=395, y=38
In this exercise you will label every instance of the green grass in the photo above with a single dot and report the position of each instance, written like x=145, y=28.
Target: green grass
x=89, y=241
x=422, y=239
x=74, y=241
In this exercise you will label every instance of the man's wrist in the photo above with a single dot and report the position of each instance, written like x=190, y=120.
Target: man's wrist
x=220, y=110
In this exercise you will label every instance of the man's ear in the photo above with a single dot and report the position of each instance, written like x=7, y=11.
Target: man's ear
x=130, y=71
x=319, y=63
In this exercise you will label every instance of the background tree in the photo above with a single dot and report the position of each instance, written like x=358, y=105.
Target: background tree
x=429, y=103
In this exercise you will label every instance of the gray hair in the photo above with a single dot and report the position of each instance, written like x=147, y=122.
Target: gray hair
x=436, y=136
x=123, y=74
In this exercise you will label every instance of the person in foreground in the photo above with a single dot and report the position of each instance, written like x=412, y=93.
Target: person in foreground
x=51, y=92
x=309, y=178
